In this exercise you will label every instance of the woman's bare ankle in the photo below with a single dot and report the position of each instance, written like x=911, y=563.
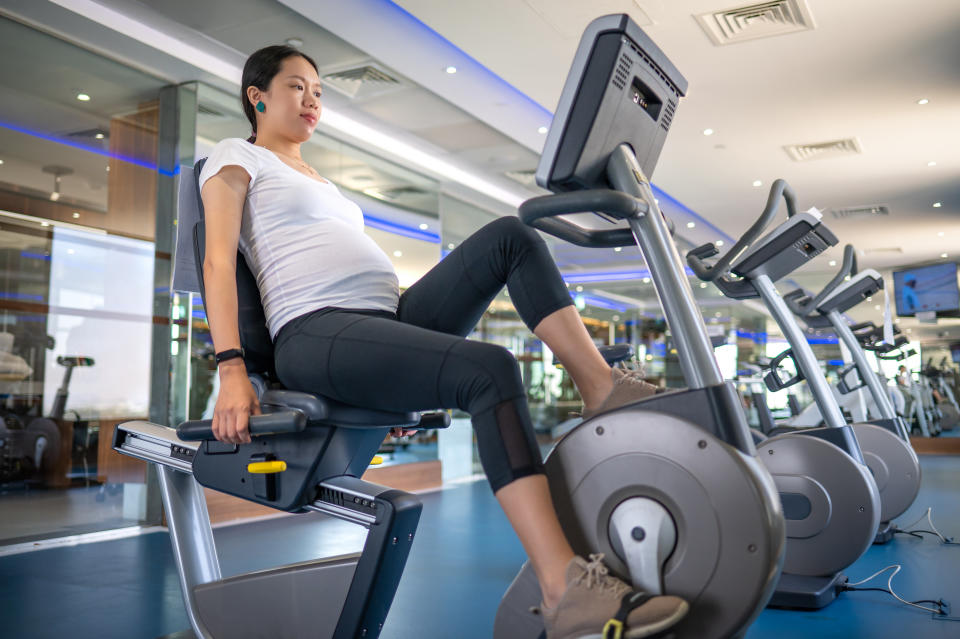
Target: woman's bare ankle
x=552, y=597
x=594, y=394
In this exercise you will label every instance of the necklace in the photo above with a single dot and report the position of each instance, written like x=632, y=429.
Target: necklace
x=295, y=159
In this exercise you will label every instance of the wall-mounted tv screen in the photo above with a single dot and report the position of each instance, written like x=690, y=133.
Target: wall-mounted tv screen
x=927, y=288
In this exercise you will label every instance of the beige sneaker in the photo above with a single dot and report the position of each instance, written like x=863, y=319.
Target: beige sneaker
x=628, y=386
x=595, y=604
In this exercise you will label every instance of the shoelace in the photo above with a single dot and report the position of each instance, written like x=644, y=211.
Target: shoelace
x=630, y=376
x=597, y=574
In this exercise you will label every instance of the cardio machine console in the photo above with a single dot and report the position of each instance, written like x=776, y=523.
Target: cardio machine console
x=785, y=249
x=850, y=293
x=621, y=89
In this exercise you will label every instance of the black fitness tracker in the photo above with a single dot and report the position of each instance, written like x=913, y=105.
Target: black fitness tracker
x=232, y=353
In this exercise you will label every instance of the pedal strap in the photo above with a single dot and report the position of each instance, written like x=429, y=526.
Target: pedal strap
x=613, y=629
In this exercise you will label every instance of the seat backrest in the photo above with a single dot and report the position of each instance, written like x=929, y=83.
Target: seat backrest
x=251, y=321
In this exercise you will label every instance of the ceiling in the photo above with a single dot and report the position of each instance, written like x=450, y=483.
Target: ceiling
x=858, y=73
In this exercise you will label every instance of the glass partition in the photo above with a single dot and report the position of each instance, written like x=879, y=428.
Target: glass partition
x=79, y=198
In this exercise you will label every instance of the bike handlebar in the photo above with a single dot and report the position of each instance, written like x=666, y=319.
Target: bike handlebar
x=541, y=213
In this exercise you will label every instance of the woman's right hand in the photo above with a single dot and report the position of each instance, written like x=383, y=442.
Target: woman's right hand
x=236, y=402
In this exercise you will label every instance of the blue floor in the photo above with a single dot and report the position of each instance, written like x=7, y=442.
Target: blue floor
x=463, y=560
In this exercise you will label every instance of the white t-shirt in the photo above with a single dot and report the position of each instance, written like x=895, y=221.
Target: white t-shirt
x=303, y=240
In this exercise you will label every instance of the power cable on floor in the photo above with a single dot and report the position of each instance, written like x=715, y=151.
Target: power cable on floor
x=941, y=605
x=906, y=530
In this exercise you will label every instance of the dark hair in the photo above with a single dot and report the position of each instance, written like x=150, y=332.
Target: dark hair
x=259, y=70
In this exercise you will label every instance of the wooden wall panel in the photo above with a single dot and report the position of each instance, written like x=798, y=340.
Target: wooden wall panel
x=132, y=189
x=936, y=445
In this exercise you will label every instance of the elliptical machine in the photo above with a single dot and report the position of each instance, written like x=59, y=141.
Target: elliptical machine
x=830, y=500
x=668, y=488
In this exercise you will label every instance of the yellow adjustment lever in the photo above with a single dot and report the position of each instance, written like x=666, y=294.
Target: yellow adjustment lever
x=267, y=467
x=376, y=461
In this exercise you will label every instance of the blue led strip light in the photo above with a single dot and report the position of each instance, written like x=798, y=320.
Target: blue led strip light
x=91, y=149
x=399, y=229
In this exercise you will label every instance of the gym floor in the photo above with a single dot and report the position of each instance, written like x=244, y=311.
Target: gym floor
x=464, y=558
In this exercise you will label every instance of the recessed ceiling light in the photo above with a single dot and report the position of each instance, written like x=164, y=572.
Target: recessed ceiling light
x=932, y=163
x=941, y=234
x=616, y=318
x=294, y=42
x=869, y=299
x=83, y=97
x=691, y=225
x=44, y=223
x=923, y=101
x=1, y=161
x=70, y=251
x=719, y=242
x=757, y=183
x=646, y=280
x=451, y=69
x=99, y=136
x=937, y=205
x=424, y=227
x=718, y=314
x=617, y=249
x=708, y=131
x=450, y=246
x=398, y=253
x=833, y=262
x=703, y=285
x=877, y=307
x=542, y=130
x=579, y=289
x=943, y=255
x=75, y=215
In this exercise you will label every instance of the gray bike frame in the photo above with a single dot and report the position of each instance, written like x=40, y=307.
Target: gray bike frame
x=650, y=230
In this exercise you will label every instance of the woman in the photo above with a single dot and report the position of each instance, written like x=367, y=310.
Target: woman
x=341, y=329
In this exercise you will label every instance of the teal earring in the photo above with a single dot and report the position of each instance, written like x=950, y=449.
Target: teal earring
x=261, y=107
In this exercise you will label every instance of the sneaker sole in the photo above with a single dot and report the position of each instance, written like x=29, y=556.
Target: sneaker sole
x=649, y=629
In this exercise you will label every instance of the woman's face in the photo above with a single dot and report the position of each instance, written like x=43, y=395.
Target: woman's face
x=293, y=101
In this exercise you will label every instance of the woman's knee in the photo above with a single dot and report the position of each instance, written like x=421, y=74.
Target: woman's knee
x=514, y=229
x=489, y=374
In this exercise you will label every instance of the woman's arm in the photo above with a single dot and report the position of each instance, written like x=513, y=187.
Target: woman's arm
x=223, y=197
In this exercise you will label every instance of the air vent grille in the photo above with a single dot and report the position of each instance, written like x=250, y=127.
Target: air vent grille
x=362, y=81
x=887, y=249
x=821, y=150
x=859, y=211
x=622, y=73
x=653, y=67
x=668, y=115
x=759, y=20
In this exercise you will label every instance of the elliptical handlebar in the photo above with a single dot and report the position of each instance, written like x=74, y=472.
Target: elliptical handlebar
x=541, y=213
x=714, y=273
x=803, y=305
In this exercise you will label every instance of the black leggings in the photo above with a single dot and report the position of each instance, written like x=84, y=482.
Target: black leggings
x=418, y=359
